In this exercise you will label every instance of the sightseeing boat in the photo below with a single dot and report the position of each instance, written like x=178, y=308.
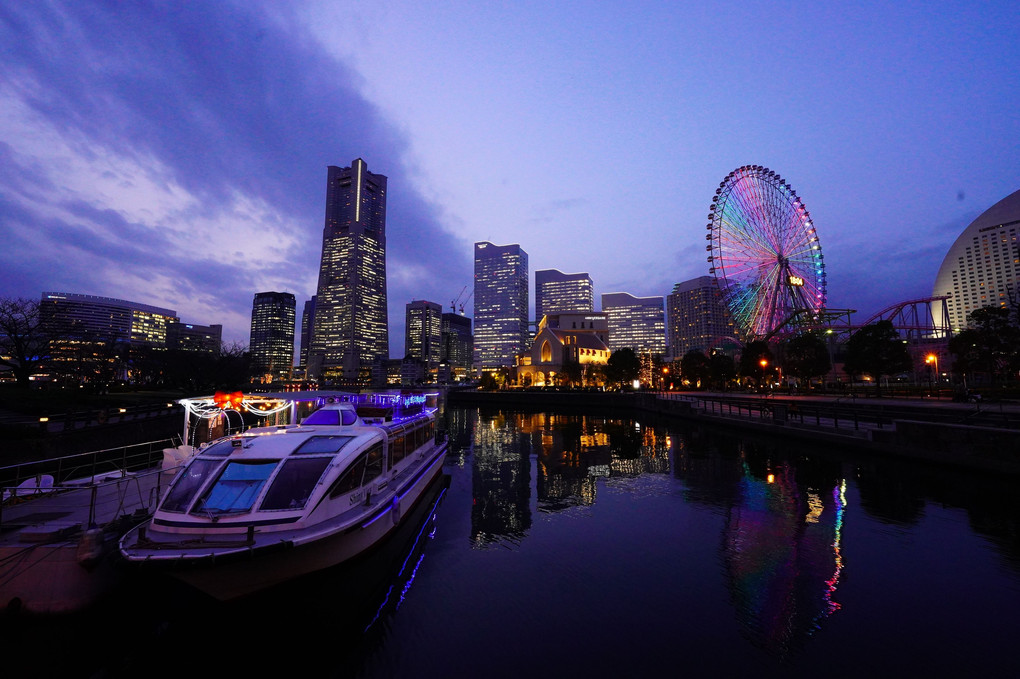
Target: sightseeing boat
x=276, y=502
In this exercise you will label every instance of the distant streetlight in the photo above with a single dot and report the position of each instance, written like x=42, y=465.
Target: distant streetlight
x=932, y=360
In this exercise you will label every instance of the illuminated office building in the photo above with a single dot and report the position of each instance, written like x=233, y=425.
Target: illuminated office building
x=105, y=319
x=637, y=323
x=197, y=338
x=557, y=292
x=272, y=334
x=501, y=304
x=458, y=345
x=982, y=268
x=423, y=323
x=697, y=317
x=350, y=331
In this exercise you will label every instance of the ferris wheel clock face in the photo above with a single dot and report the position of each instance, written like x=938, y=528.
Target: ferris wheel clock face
x=764, y=252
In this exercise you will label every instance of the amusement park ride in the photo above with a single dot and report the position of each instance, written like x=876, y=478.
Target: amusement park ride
x=767, y=261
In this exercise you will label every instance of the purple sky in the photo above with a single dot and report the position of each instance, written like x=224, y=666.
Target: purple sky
x=175, y=154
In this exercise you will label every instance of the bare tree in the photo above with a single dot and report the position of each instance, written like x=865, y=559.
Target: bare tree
x=24, y=342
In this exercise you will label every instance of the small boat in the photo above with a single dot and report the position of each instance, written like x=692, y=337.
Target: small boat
x=254, y=509
x=59, y=536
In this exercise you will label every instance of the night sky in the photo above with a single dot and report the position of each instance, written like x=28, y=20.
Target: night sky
x=175, y=154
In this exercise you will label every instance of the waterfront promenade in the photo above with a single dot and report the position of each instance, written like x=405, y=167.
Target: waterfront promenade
x=978, y=436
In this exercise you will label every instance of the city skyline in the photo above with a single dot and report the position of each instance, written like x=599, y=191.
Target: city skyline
x=181, y=151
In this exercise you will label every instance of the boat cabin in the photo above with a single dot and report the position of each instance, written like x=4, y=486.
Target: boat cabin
x=291, y=476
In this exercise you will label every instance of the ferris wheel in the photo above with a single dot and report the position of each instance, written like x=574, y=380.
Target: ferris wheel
x=764, y=252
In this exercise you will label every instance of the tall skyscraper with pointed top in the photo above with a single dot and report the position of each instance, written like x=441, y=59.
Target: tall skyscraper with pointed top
x=350, y=329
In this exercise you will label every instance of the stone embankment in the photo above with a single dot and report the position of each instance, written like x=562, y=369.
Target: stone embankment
x=975, y=436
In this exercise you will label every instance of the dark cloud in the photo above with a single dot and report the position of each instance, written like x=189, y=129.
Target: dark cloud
x=228, y=101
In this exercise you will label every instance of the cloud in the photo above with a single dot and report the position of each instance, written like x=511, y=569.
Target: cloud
x=175, y=154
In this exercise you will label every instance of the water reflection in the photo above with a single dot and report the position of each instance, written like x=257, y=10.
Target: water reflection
x=781, y=540
x=570, y=453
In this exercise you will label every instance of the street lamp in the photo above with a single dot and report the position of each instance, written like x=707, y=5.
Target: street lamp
x=764, y=363
x=932, y=360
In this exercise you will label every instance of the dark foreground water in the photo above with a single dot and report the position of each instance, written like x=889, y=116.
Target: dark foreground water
x=568, y=545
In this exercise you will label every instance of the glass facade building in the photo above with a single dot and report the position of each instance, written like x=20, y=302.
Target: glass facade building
x=501, y=304
x=557, y=292
x=272, y=334
x=635, y=322
x=350, y=331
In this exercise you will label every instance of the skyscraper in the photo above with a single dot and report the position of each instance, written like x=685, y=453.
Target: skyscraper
x=307, y=322
x=423, y=332
x=557, y=292
x=272, y=334
x=458, y=344
x=697, y=317
x=350, y=329
x=501, y=304
x=635, y=322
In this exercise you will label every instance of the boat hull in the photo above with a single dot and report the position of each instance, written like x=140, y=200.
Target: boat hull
x=235, y=575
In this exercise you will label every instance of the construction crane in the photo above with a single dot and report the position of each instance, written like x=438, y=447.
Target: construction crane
x=465, y=301
x=453, y=302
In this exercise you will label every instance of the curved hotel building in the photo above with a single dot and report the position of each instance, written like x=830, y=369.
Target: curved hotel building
x=982, y=267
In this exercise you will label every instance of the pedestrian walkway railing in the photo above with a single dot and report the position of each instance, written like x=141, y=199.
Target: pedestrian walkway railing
x=816, y=415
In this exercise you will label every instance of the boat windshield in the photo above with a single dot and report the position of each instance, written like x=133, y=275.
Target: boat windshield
x=237, y=487
x=188, y=483
x=294, y=483
x=322, y=444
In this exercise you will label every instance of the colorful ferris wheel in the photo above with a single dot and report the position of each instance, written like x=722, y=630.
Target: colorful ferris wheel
x=764, y=253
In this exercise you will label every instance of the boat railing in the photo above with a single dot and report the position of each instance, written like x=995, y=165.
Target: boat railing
x=87, y=466
x=77, y=504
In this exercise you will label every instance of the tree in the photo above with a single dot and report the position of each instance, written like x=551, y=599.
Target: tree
x=806, y=356
x=751, y=358
x=695, y=369
x=722, y=369
x=24, y=340
x=623, y=366
x=991, y=344
x=877, y=350
x=571, y=373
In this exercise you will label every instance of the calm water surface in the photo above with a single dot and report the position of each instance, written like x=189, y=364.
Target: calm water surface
x=569, y=545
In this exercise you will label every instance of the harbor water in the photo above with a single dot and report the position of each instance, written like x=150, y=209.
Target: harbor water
x=577, y=544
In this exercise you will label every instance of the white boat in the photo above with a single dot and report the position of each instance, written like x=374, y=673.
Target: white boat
x=255, y=509
x=58, y=537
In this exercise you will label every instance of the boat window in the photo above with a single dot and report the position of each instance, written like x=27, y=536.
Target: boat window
x=374, y=463
x=237, y=487
x=350, y=480
x=396, y=449
x=322, y=444
x=294, y=483
x=331, y=416
x=187, y=484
